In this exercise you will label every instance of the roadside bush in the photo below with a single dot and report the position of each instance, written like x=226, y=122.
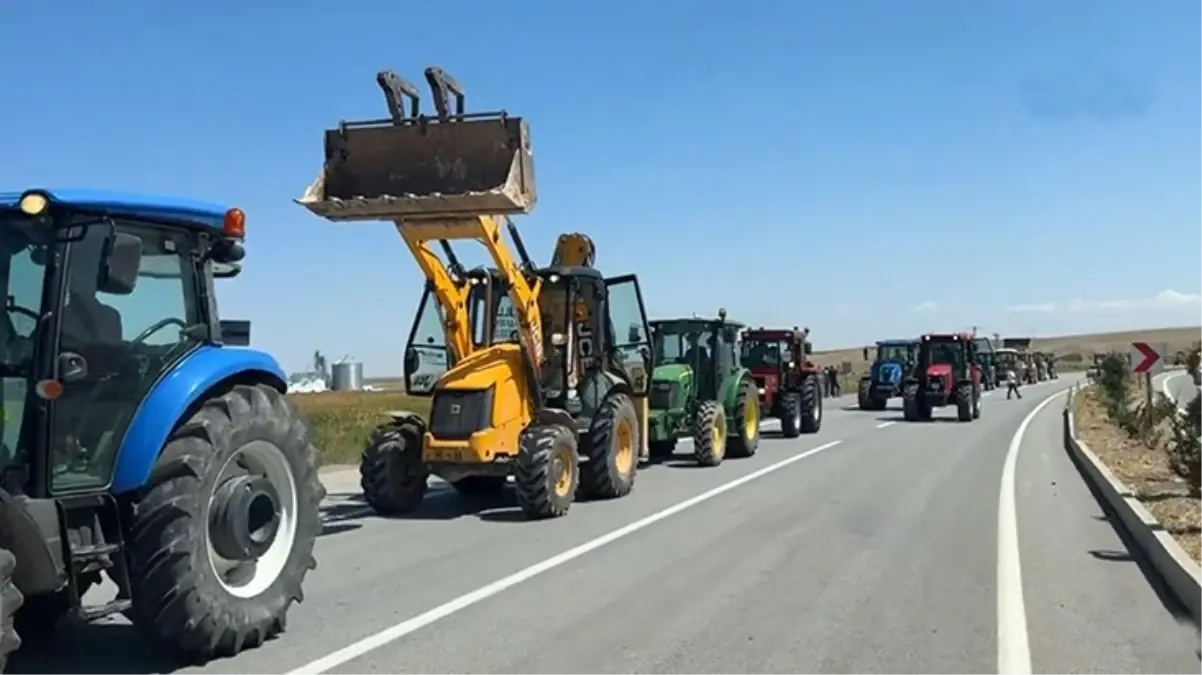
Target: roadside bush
x=1184, y=447
x=344, y=420
x=1114, y=383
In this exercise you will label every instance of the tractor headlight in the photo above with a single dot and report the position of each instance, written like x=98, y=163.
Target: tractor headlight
x=761, y=391
x=33, y=204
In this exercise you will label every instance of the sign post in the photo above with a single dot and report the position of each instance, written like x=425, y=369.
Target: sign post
x=1146, y=361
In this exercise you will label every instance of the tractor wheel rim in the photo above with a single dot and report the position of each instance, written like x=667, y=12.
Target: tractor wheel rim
x=561, y=468
x=718, y=436
x=624, y=457
x=751, y=419
x=248, y=579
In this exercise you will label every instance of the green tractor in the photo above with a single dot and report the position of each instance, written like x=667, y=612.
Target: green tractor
x=699, y=389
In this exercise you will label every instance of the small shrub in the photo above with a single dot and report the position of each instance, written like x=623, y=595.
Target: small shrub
x=1184, y=447
x=1114, y=380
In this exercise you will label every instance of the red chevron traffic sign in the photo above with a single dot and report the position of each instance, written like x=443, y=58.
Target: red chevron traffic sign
x=1148, y=355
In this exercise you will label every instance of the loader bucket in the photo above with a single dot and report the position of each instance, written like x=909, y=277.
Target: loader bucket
x=425, y=168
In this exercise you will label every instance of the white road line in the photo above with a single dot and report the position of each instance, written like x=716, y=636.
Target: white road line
x=882, y=425
x=400, y=630
x=1013, y=647
x=1164, y=385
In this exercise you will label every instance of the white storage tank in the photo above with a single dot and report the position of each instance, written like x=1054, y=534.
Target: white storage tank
x=346, y=376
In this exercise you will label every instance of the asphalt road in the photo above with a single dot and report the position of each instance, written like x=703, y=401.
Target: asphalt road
x=873, y=546
x=1178, y=386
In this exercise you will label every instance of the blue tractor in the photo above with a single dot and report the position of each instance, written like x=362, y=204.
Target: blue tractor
x=884, y=378
x=140, y=440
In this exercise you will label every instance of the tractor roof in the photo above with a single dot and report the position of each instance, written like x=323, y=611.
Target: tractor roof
x=897, y=343
x=947, y=337
x=188, y=212
x=769, y=334
x=694, y=321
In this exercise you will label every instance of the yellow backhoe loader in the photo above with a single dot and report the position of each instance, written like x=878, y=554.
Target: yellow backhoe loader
x=536, y=372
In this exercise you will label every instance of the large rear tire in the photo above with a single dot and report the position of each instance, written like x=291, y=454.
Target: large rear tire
x=547, y=471
x=811, y=406
x=391, y=472
x=10, y=602
x=184, y=593
x=709, y=434
x=612, y=448
x=746, y=439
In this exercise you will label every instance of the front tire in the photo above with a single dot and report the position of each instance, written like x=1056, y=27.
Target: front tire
x=964, y=403
x=790, y=421
x=547, y=471
x=864, y=395
x=709, y=434
x=612, y=448
x=179, y=596
x=391, y=472
x=747, y=421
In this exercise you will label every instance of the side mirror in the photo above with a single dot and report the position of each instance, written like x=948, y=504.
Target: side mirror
x=808, y=347
x=120, y=263
x=235, y=333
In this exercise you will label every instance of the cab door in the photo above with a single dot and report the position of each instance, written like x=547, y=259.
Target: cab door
x=631, y=333
x=632, y=345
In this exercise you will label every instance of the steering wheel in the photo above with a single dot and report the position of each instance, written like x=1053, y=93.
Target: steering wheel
x=156, y=327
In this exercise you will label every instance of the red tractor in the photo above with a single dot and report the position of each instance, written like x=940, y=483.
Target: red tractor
x=947, y=373
x=788, y=382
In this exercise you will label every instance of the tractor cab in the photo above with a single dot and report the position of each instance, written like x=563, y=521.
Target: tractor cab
x=946, y=373
x=777, y=360
x=592, y=329
x=693, y=354
x=699, y=389
x=894, y=358
x=133, y=433
x=987, y=359
x=132, y=298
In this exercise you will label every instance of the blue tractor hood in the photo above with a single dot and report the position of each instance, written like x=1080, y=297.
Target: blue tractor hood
x=886, y=372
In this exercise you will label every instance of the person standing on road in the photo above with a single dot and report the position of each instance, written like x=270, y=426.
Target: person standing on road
x=1012, y=384
x=833, y=374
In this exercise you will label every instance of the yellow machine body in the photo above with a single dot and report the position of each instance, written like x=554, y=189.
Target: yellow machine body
x=444, y=179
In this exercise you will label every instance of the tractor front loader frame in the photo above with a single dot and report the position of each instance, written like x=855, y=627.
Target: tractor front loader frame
x=553, y=398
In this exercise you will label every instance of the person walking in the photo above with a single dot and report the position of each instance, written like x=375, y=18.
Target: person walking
x=833, y=374
x=1012, y=384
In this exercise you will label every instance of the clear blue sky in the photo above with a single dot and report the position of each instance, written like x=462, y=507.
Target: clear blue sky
x=832, y=164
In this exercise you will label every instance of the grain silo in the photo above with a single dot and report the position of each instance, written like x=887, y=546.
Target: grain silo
x=346, y=375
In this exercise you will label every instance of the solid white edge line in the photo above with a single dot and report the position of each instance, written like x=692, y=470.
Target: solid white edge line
x=1013, y=646
x=400, y=630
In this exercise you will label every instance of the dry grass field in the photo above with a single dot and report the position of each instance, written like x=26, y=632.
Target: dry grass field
x=343, y=421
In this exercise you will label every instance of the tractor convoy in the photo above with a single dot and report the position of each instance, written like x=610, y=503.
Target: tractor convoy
x=122, y=448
